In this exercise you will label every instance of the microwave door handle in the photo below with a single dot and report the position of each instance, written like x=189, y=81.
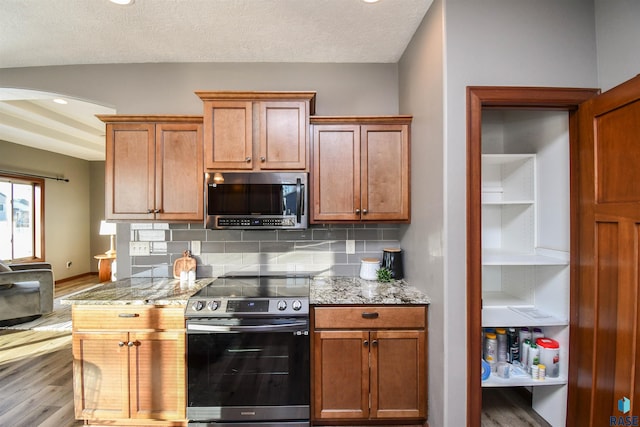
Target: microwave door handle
x=299, y=201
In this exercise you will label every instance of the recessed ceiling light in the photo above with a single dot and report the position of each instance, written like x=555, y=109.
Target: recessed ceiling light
x=60, y=101
x=366, y=1
x=122, y=2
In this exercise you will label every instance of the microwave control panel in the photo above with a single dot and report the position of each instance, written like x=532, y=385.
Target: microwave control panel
x=256, y=222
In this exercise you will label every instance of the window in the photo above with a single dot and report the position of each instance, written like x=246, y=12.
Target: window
x=21, y=219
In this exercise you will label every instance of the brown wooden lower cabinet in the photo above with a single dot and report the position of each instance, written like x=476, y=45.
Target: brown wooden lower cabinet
x=374, y=373
x=123, y=375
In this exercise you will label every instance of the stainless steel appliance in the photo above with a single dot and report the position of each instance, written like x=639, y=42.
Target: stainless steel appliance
x=248, y=352
x=256, y=200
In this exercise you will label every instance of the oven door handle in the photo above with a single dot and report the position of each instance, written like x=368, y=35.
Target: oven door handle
x=284, y=327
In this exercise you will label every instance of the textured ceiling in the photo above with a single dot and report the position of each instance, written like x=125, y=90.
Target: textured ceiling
x=47, y=32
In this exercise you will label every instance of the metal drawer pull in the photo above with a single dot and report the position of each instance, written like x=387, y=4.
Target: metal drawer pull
x=374, y=343
x=365, y=343
x=128, y=315
x=366, y=315
x=120, y=344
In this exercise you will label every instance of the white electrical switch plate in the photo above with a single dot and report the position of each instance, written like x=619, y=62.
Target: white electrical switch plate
x=351, y=247
x=139, y=248
x=195, y=247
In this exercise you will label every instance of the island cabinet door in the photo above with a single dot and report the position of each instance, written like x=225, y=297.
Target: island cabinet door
x=101, y=375
x=398, y=374
x=157, y=366
x=341, y=375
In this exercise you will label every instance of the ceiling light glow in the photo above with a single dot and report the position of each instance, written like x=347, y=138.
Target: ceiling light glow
x=366, y=1
x=60, y=101
x=122, y=2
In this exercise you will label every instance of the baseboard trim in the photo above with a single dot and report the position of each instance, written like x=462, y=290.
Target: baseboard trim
x=79, y=276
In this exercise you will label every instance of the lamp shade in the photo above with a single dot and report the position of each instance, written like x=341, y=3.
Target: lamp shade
x=107, y=228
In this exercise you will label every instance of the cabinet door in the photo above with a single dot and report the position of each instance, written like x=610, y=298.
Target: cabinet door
x=336, y=173
x=157, y=366
x=283, y=135
x=179, y=172
x=341, y=375
x=228, y=135
x=129, y=173
x=385, y=173
x=398, y=374
x=101, y=375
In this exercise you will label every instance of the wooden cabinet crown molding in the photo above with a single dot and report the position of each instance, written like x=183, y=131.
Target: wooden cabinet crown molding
x=119, y=118
x=380, y=120
x=261, y=96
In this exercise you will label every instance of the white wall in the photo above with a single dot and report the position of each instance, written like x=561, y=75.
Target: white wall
x=493, y=42
x=169, y=88
x=421, y=72
x=618, y=38
x=66, y=229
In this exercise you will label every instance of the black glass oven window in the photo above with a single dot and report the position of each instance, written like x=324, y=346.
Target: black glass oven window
x=245, y=199
x=248, y=369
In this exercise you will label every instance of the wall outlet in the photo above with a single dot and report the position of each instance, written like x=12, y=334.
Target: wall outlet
x=195, y=247
x=351, y=247
x=139, y=248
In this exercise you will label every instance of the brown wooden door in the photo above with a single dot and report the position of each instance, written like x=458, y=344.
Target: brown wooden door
x=157, y=369
x=179, y=172
x=398, y=374
x=228, y=135
x=130, y=171
x=385, y=173
x=101, y=375
x=336, y=173
x=341, y=375
x=604, y=364
x=283, y=135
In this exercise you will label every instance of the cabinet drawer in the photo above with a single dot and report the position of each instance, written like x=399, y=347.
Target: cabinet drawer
x=368, y=317
x=126, y=318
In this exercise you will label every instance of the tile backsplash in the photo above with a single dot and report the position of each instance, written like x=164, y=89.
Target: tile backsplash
x=318, y=250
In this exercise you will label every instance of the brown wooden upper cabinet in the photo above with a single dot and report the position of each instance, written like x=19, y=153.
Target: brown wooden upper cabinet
x=360, y=169
x=154, y=168
x=257, y=130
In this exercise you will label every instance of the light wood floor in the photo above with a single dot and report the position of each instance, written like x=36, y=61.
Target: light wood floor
x=36, y=386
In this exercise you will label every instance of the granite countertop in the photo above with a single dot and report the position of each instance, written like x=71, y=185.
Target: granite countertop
x=324, y=291
x=354, y=290
x=160, y=291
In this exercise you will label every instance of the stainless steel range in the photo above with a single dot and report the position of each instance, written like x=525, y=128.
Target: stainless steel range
x=248, y=352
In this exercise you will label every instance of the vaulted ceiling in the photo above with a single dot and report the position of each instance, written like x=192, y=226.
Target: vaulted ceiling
x=43, y=33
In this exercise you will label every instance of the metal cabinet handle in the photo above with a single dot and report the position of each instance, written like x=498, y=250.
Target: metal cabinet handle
x=128, y=315
x=131, y=343
x=157, y=211
x=364, y=211
x=120, y=344
x=374, y=343
x=357, y=211
x=149, y=210
x=263, y=159
x=365, y=343
x=248, y=159
x=367, y=315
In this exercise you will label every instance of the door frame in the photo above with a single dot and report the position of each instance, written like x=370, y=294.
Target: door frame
x=508, y=97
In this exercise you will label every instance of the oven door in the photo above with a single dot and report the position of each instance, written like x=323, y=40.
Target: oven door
x=248, y=370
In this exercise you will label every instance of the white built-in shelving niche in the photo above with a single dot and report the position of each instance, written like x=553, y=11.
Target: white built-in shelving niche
x=525, y=237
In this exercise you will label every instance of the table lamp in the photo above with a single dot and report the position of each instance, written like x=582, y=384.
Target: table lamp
x=109, y=229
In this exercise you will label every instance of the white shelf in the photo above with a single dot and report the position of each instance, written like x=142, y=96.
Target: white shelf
x=498, y=257
x=517, y=316
x=487, y=200
x=496, y=381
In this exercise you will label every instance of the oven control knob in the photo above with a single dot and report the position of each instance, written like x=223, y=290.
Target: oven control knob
x=213, y=305
x=198, y=305
x=282, y=305
x=297, y=305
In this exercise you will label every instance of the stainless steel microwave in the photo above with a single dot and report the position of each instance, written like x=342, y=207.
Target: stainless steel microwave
x=256, y=200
